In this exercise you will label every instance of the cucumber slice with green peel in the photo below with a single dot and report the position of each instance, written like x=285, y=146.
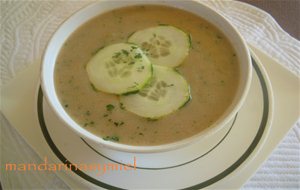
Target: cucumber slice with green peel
x=166, y=92
x=164, y=45
x=119, y=69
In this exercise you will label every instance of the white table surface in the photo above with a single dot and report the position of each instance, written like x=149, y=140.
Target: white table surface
x=27, y=26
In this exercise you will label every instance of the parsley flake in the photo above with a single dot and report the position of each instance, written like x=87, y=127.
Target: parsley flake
x=110, y=107
x=111, y=138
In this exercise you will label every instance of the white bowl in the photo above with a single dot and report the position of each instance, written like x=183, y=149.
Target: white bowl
x=85, y=14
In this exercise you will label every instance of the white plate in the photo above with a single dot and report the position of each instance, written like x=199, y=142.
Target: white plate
x=226, y=160
x=195, y=166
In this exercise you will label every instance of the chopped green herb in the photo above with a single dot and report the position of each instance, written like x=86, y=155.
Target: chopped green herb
x=219, y=36
x=111, y=138
x=92, y=122
x=140, y=69
x=133, y=86
x=118, y=123
x=122, y=106
x=125, y=52
x=138, y=56
x=142, y=134
x=151, y=119
x=116, y=55
x=110, y=120
x=66, y=105
x=162, y=24
x=105, y=115
x=110, y=107
x=88, y=113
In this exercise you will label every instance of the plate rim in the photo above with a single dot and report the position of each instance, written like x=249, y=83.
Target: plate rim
x=265, y=122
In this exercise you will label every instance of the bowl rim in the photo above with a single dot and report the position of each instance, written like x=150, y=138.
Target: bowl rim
x=216, y=126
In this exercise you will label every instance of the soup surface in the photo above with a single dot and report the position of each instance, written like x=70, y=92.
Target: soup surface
x=211, y=69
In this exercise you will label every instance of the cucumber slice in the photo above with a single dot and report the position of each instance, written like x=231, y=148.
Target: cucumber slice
x=164, y=45
x=165, y=93
x=119, y=68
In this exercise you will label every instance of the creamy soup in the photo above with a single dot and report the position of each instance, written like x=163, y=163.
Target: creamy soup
x=211, y=69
